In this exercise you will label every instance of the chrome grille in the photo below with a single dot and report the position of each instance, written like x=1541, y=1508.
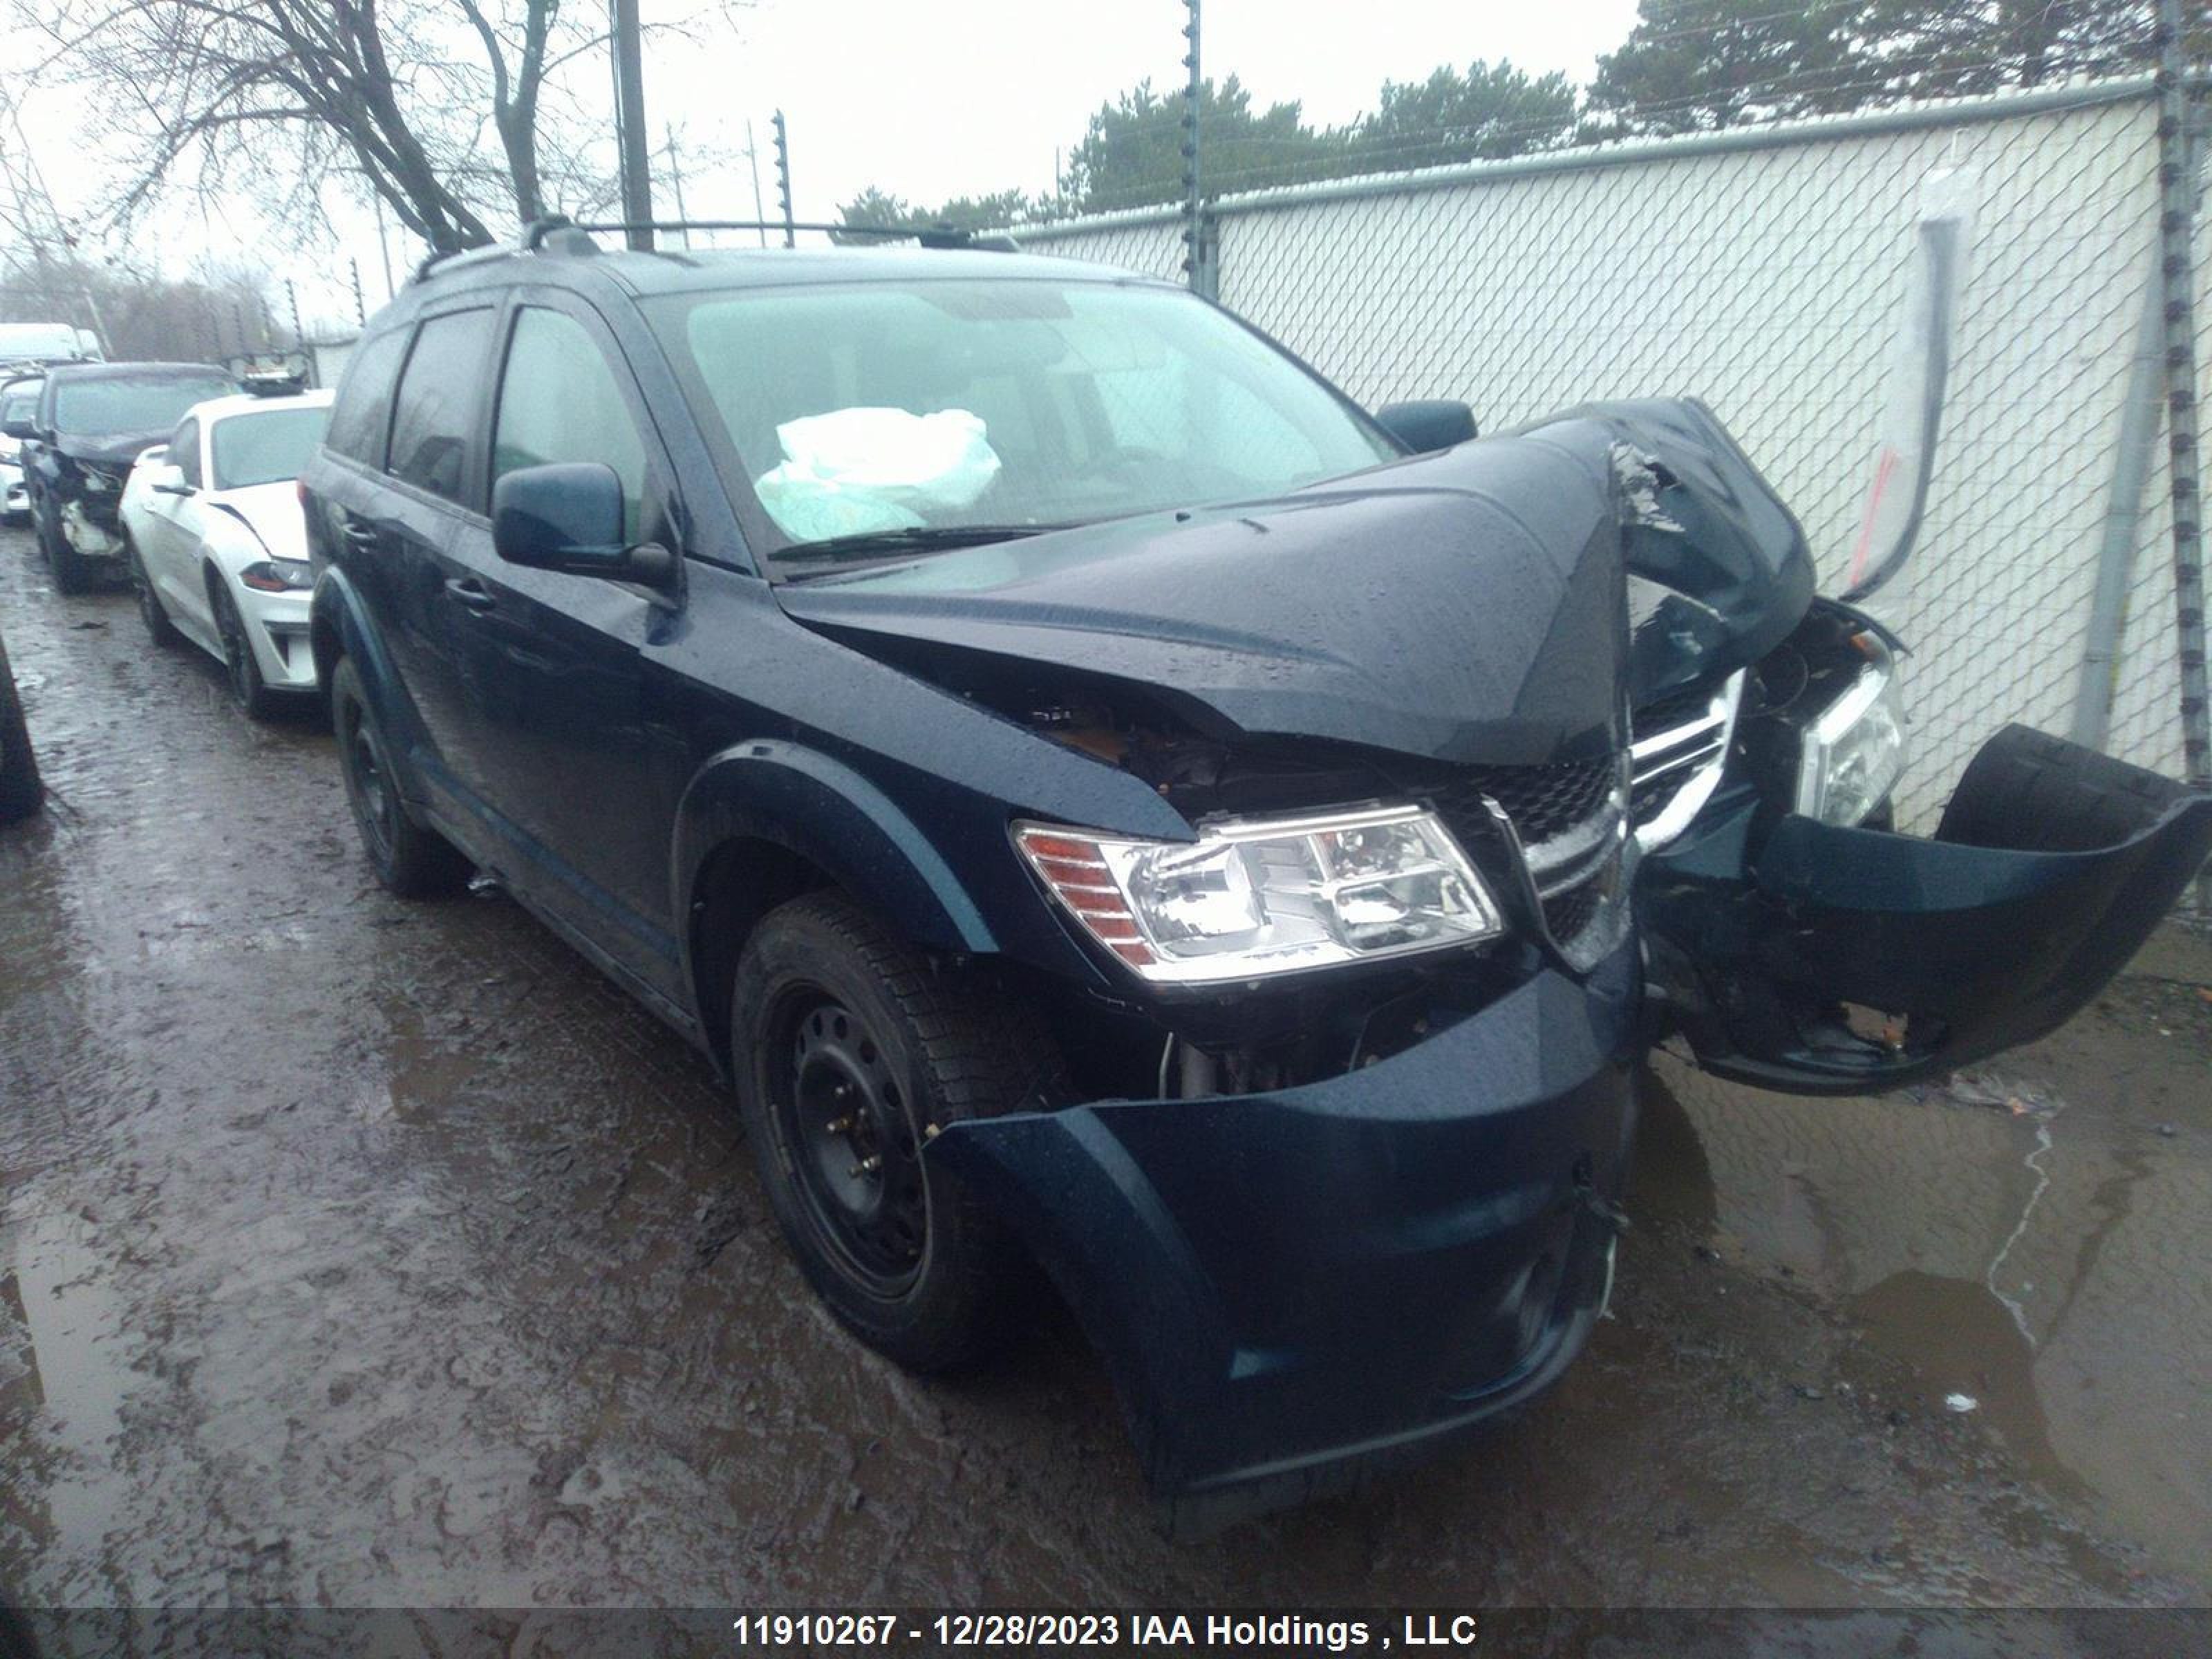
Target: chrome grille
x=1678, y=750
x=1543, y=801
x=1569, y=818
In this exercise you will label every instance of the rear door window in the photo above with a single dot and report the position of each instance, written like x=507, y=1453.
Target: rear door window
x=434, y=414
x=364, y=403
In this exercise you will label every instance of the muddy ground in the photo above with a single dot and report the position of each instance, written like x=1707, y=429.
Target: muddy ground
x=361, y=1253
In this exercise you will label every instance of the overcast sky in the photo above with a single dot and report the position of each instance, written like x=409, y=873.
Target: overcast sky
x=930, y=100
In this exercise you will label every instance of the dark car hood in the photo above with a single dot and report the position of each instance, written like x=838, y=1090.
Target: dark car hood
x=108, y=449
x=1465, y=606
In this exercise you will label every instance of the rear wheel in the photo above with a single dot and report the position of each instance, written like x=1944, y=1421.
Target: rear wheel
x=150, y=612
x=852, y=1052
x=412, y=860
x=247, y=689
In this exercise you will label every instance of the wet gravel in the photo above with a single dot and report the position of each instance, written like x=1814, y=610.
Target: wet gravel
x=359, y=1253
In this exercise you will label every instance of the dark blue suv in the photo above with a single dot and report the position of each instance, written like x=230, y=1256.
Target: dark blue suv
x=1111, y=806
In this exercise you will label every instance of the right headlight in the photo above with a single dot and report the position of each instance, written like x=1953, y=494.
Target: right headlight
x=1849, y=757
x=1253, y=897
x=278, y=576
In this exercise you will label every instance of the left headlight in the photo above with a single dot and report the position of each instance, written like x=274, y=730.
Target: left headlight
x=1850, y=756
x=278, y=576
x=1251, y=898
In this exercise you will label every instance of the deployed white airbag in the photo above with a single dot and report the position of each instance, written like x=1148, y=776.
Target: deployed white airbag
x=853, y=470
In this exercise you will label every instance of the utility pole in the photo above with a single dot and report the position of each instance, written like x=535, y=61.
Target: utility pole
x=360, y=309
x=292, y=299
x=675, y=180
x=1197, y=263
x=629, y=126
x=2179, y=114
x=783, y=179
x=752, y=155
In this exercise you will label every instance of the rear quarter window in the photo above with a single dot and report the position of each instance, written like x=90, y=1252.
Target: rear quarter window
x=363, y=408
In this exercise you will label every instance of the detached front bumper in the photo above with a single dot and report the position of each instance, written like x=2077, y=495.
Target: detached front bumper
x=1290, y=1286
x=1819, y=960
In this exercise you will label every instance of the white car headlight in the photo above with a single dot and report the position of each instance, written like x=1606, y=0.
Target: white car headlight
x=1851, y=755
x=1259, y=896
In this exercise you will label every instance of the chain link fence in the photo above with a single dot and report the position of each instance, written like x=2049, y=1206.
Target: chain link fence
x=1764, y=271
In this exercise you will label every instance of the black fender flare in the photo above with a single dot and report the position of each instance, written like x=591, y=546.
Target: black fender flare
x=821, y=810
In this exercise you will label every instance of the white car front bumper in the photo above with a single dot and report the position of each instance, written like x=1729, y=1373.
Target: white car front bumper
x=276, y=627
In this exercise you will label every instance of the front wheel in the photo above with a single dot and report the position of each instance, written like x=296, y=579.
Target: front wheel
x=70, y=574
x=411, y=859
x=151, y=611
x=851, y=1053
x=243, y=669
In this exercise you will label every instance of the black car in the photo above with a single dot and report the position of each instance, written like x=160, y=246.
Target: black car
x=1107, y=803
x=90, y=422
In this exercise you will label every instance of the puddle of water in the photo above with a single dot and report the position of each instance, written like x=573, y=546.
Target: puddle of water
x=60, y=1331
x=2010, y=1243
x=1958, y=1338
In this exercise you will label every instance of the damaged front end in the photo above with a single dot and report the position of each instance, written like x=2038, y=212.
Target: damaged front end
x=86, y=493
x=1319, y=1204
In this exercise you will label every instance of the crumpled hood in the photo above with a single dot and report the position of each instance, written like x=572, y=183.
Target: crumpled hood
x=1465, y=606
x=115, y=451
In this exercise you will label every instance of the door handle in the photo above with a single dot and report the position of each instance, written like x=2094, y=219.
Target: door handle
x=468, y=591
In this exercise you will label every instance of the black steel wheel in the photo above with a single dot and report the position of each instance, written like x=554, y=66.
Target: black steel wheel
x=411, y=859
x=852, y=1051
x=848, y=1129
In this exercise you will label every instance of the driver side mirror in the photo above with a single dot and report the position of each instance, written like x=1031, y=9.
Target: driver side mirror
x=21, y=431
x=1427, y=424
x=568, y=516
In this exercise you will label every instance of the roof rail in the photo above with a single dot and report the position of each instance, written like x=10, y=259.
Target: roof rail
x=459, y=255
x=931, y=236
x=558, y=234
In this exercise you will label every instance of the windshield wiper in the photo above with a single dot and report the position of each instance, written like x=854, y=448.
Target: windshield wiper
x=912, y=538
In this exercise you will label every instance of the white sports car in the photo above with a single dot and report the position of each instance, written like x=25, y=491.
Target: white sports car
x=217, y=546
x=18, y=400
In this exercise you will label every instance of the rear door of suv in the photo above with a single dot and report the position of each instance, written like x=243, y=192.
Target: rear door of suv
x=431, y=534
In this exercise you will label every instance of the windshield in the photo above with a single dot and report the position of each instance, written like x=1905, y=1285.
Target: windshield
x=267, y=448
x=889, y=410
x=131, y=403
